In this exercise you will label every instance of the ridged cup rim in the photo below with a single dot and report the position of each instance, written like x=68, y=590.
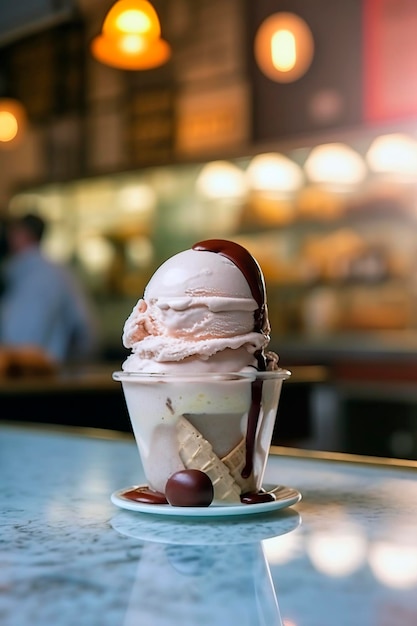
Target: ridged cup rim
x=278, y=374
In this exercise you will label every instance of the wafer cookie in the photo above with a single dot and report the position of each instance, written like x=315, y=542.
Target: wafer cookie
x=197, y=453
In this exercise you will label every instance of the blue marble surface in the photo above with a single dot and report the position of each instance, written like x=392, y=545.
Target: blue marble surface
x=346, y=554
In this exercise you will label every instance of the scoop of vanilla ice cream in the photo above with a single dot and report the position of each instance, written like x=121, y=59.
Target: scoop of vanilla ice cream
x=197, y=313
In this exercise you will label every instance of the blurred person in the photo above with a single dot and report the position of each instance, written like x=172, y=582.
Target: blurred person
x=42, y=305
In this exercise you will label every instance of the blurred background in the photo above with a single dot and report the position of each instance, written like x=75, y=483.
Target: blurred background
x=288, y=126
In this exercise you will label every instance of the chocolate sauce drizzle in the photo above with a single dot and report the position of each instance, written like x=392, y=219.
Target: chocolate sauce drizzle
x=253, y=274
x=145, y=495
x=250, y=270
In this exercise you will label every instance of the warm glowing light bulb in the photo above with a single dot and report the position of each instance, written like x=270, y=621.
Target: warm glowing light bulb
x=284, y=47
x=131, y=37
x=133, y=21
x=283, y=50
x=138, y=198
x=221, y=179
x=335, y=163
x=132, y=16
x=96, y=254
x=273, y=172
x=132, y=44
x=395, y=153
x=8, y=126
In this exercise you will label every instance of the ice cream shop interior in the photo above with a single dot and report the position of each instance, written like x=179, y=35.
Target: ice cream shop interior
x=286, y=126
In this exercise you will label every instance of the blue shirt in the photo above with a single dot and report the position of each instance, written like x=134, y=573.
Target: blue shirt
x=43, y=306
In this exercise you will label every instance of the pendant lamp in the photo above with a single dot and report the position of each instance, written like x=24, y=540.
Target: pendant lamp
x=131, y=37
x=12, y=122
x=284, y=47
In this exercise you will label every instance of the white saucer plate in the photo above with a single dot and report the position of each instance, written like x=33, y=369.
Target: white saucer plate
x=284, y=497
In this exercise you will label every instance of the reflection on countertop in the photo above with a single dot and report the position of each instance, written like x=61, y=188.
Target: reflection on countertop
x=347, y=552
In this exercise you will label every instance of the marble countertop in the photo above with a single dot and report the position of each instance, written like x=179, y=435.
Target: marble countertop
x=346, y=554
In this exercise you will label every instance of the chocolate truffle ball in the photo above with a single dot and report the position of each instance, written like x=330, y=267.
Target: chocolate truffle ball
x=189, y=487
